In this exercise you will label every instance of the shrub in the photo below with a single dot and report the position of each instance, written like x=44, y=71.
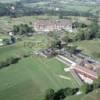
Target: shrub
x=25, y=55
x=86, y=88
x=9, y=61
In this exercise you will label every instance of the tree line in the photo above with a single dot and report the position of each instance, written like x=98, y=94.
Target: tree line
x=21, y=10
x=22, y=29
x=61, y=94
x=13, y=59
x=9, y=61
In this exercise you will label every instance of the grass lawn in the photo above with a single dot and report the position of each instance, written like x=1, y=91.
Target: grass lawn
x=38, y=41
x=91, y=47
x=29, y=79
x=4, y=36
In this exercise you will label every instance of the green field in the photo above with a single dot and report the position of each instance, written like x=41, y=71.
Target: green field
x=38, y=41
x=90, y=47
x=29, y=79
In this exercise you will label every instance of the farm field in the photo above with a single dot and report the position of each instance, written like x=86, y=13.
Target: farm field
x=33, y=43
x=90, y=47
x=29, y=79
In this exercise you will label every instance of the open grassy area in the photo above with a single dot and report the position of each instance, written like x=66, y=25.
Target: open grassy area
x=90, y=47
x=3, y=36
x=6, y=23
x=29, y=79
x=33, y=43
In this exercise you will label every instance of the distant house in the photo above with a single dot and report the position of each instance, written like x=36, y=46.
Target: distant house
x=52, y=25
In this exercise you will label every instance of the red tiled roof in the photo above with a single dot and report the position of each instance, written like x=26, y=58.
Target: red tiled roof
x=86, y=71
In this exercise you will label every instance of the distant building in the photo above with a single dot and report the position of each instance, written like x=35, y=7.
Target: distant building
x=52, y=25
x=87, y=72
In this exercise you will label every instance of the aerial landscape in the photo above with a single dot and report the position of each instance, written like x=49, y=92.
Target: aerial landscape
x=49, y=49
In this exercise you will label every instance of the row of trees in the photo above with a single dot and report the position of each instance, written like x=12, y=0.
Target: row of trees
x=22, y=29
x=91, y=32
x=14, y=59
x=17, y=9
x=9, y=61
x=21, y=10
x=60, y=94
x=79, y=25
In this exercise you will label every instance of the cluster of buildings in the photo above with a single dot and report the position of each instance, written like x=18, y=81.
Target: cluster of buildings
x=52, y=25
x=87, y=72
x=84, y=71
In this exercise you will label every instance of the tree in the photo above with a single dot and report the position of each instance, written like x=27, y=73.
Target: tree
x=13, y=40
x=78, y=25
x=6, y=41
x=15, y=29
x=94, y=28
x=70, y=91
x=56, y=44
x=60, y=16
x=22, y=29
x=71, y=49
x=49, y=94
x=59, y=95
x=65, y=39
x=96, y=83
x=98, y=33
x=86, y=88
